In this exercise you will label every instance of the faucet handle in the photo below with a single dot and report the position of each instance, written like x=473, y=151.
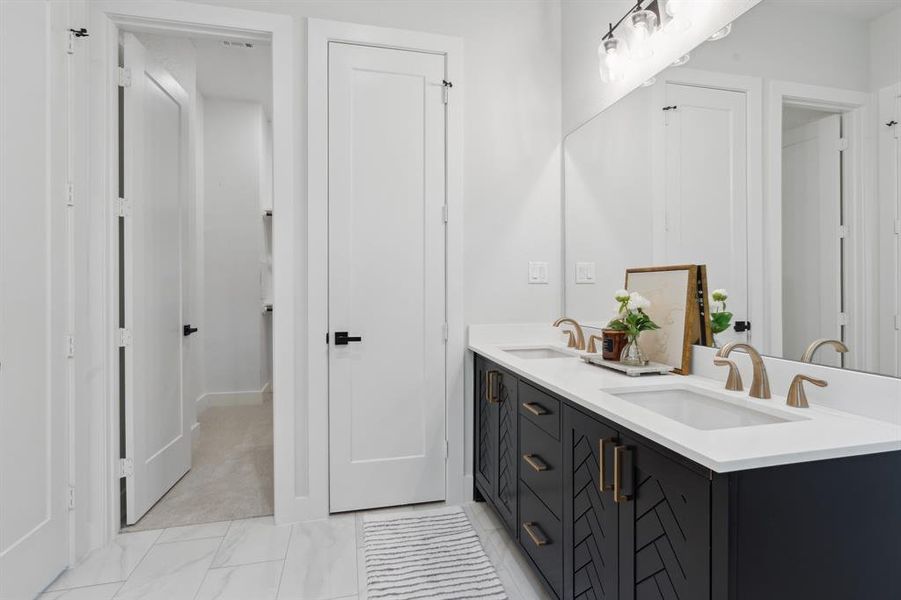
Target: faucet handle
x=570, y=339
x=592, y=343
x=797, y=398
x=733, y=381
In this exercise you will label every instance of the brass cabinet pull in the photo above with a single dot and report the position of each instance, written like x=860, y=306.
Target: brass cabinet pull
x=534, y=408
x=535, y=462
x=618, y=495
x=489, y=385
x=537, y=539
x=603, y=487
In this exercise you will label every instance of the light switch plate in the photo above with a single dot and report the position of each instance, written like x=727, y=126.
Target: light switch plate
x=584, y=272
x=537, y=272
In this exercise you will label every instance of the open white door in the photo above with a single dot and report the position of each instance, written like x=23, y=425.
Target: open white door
x=157, y=424
x=707, y=190
x=811, y=242
x=33, y=434
x=386, y=277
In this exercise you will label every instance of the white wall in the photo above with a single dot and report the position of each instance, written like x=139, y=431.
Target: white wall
x=885, y=50
x=233, y=324
x=511, y=132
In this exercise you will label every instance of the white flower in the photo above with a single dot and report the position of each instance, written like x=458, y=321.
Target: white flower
x=637, y=302
x=621, y=295
x=720, y=295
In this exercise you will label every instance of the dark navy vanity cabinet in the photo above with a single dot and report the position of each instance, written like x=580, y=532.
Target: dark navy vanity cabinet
x=603, y=513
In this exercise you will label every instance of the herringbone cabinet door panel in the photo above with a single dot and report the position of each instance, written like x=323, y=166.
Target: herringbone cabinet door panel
x=671, y=529
x=507, y=463
x=593, y=514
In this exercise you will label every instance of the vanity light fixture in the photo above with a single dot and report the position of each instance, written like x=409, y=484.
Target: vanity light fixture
x=681, y=60
x=643, y=24
x=721, y=33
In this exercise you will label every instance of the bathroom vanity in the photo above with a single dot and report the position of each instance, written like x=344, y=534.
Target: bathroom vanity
x=609, y=497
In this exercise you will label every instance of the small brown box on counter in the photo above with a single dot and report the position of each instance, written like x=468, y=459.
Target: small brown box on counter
x=614, y=342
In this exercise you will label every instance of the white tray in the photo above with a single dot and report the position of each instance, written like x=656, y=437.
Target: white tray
x=651, y=368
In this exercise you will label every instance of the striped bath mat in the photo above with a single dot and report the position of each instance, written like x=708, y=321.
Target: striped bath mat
x=434, y=555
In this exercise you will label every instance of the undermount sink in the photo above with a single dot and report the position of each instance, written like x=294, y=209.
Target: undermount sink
x=533, y=353
x=701, y=408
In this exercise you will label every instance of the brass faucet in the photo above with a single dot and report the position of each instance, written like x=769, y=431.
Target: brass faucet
x=816, y=344
x=796, y=395
x=733, y=381
x=760, y=385
x=579, y=341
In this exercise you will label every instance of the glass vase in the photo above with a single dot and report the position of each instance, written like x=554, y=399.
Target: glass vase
x=632, y=355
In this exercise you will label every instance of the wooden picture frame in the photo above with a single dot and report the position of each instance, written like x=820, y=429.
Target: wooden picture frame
x=679, y=301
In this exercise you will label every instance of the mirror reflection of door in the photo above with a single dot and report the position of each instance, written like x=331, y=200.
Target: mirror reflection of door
x=706, y=190
x=812, y=232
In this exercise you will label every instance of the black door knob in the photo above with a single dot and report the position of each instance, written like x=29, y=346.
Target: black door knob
x=342, y=338
x=188, y=330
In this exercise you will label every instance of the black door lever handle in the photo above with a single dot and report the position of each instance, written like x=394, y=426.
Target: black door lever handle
x=188, y=330
x=342, y=339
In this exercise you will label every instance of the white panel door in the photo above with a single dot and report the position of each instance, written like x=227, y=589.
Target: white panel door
x=707, y=190
x=811, y=247
x=386, y=277
x=33, y=406
x=157, y=424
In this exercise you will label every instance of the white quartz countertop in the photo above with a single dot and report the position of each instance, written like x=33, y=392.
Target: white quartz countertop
x=817, y=433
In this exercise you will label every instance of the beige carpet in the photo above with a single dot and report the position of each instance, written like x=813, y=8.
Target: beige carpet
x=231, y=471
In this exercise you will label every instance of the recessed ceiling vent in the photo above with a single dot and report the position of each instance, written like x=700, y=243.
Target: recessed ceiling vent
x=236, y=44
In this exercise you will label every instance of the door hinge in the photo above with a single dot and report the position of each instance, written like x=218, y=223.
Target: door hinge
x=444, y=213
x=70, y=501
x=126, y=467
x=897, y=226
x=124, y=338
x=74, y=34
x=123, y=207
x=841, y=144
x=70, y=346
x=446, y=449
x=70, y=194
x=843, y=318
x=123, y=76
x=897, y=322
x=843, y=231
x=444, y=90
x=444, y=331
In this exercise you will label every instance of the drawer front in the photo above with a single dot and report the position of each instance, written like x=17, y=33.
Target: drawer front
x=540, y=408
x=540, y=465
x=541, y=536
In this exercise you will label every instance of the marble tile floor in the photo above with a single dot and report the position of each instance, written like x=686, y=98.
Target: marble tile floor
x=253, y=559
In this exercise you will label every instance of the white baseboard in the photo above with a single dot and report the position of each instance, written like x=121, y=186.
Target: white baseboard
x=249, y=398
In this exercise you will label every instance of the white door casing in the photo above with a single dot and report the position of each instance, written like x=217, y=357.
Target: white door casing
x=157, y=424
x=386, y=277
x=811, y=246
x=705, y=166
x=33, y=297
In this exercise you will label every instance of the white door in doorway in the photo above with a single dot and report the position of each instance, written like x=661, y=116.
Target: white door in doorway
x=34, y=519
x=811, y=242
x=157, y=425
x=706, y=190
x=386, y=277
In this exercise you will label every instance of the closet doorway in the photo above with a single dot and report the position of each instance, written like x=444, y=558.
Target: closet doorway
x=195, y=307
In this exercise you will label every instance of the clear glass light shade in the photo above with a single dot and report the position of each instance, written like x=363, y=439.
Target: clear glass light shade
x=721, y=33
x=643, y=24
x=677, y=11
x=613, y=59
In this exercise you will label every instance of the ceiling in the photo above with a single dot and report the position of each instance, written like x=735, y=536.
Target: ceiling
x=860, y=10
x=235, y=72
